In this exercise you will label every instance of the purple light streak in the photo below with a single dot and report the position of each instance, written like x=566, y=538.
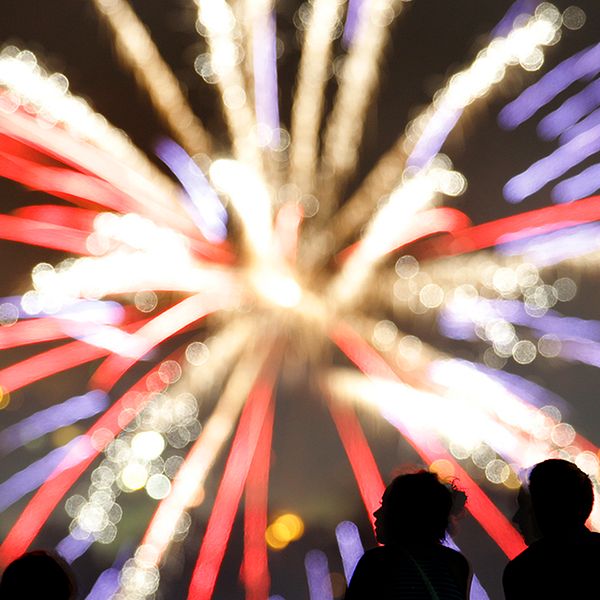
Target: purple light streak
x=44, y=421
x=578, y=186
x=579, y=338
x=199, y=199
x=98, y=311
x=585, y=63
x=556, y=246
x=317, y=573
x=477, y=591
x=71, y=548
x=569, y=112
x=583, y=351
x=351, y=25
x=108, y=581
x=552, y=322
x=552, y=166
x=32, y=476
x=106, y=585
x=350, y=545
x=518, y=8
x=587, y=123
x=434, y=136
x=264, y=47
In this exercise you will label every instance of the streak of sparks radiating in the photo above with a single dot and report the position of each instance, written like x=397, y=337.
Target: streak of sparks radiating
x=138, y=51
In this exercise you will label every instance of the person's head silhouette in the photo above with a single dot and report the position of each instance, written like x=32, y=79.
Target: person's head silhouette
x=415, y=509
x=37, y=574
x=561, y=496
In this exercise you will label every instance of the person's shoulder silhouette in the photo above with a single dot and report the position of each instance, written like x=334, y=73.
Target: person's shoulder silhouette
x=38, y=575
x=412, y=564
x=563, y=555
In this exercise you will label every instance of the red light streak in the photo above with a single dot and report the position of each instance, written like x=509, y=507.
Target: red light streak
x=220, y=522
x=124, y=190
x=368, y=478
x=32, y=331
x=48, y=363
x=516, y=227
x=26, y=231
x=64, y=216
x=255, y=568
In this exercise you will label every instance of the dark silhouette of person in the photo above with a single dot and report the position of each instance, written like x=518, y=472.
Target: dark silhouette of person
x=412, y=563
x=563, y=556
x=37, y=575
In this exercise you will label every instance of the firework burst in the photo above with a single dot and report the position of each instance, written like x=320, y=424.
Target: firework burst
x=257, y=259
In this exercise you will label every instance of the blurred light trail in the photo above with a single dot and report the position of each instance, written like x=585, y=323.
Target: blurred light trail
x=307, y=107
x=350, y=545
x=218, y=529
x=572, y=132
x=22, y=333
x=166, y=324
x=255, y=568
x=461, y=90
x=428, y=222
x=37, y=473
x=64, y=216
x=200, y=200
x=264, y=62
x=44, y=421
x=582, y=64
x=357, y=83
x=554, y=165
x=529, y=391
x=368, y=479
x=35, y=233
x=516, y=9
x=582, y=184
x=516, y=227
x=190, y=478
x=48, y=363
x=105, y=586
x=71, y=548
x=32, y=86
x=552, y=248
x=134, y=192
x=432, y=127
x=317, y=573
x=570, y=112
x=139, y=53
x=218, y=21
x=353, y=14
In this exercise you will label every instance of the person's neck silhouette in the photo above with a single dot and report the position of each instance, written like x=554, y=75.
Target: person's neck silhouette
x=37, y=575
x=563, y=555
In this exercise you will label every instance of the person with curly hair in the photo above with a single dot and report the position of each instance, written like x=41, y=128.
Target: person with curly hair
x=412, y=563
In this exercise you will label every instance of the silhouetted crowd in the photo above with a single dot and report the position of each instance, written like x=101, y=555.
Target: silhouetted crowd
x=413, y=560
